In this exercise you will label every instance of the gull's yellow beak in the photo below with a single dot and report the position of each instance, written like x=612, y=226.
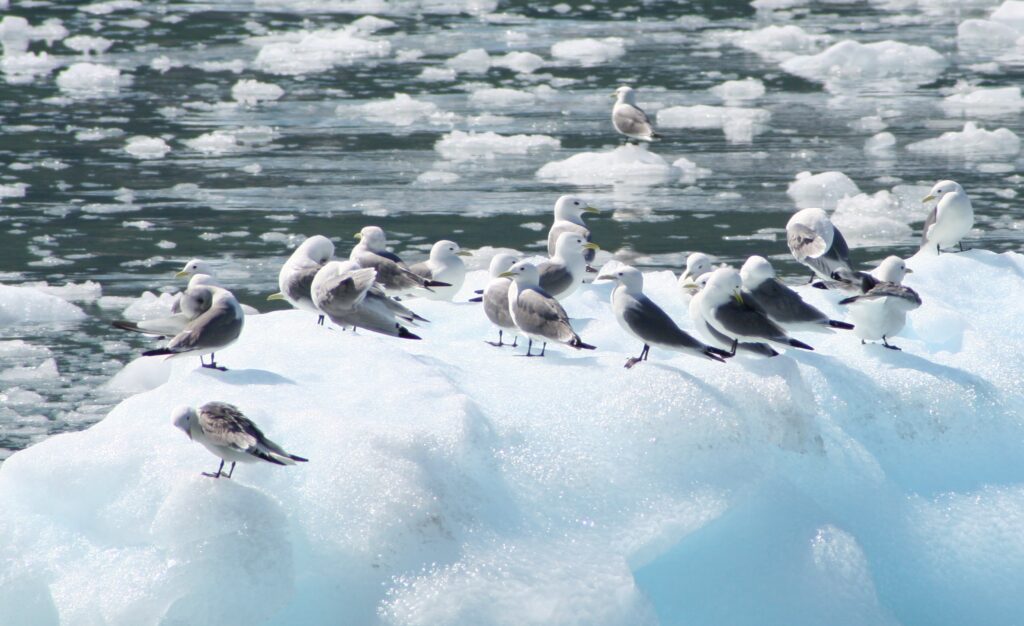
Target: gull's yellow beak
x=691, y=285
x=359, y=235
x=738, y=296
x=507, y=275
x=276, y=296
x=590, y=245
x=181, y=274
x=910, y=271
x=464, y=253
x=928, y=198
x=591, y=209
x=613, y=95
x=606, y=277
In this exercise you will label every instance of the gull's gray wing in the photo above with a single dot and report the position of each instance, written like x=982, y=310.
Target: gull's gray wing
x=783, y=305
x=299, y=283
x=654, y=326
x=631, y=120
x=394, y=276
x=906, y=295
x=540, y=314
x=760, y=349
x=496, y=303
x=217, y=327
x=423, y=270
x=225, y=426
x=555, y=278
x=345, y=292
x=804, y=242
x=743, y=320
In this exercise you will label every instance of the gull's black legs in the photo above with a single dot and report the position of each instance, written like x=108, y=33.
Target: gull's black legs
x=735, y=344
x=543, y=348
x=633, y=360
x=888, y=345
x=232, y=470
x=320, y=320
x=219, y=470
x=212, y=364
x=499, y=344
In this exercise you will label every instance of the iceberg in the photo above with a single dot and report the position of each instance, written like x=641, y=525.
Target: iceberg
x=450, y=482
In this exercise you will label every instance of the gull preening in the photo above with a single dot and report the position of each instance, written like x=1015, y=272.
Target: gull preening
x=348, y=295
x=781, y=304
x=200, y=272
x=495, y=298
x=189, y=304
x=214, y=329
x=223, y=430
x=818, y=244
x=564, y=272
x=641, y=317
x=724, y=309
x=950, y=219
x=629, y=119
x=392, y=273
x=296, y=277
x=881, y=311
x=536, y=313
x=569, y=212
x=445, y=265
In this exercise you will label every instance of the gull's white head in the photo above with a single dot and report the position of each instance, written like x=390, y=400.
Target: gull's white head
x=892, y=270
x=317, y=248
x=723, y=284
x=524, y=273
x=446, y=250
x=500, y=264
x=625, y=94
x=627, y=276
x=942, y=188
x=571, y=244
x=572, y=208
x=755, y=271
x=193, y=267
x=697, y=264
x=372, y=237
x=182, y=418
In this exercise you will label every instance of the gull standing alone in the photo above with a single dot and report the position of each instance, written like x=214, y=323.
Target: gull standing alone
x=564, y=272
x=712, y=336
x=536, y=314
x=495, y=297
x=392, y=273
x=818, y=244
x=950, y=219
x=223, y=430
x=781, y=304
x=569, y=212
x=629, y=119
x=724, y=309
x=214, y=329
x=296, y=276
x=348, y=295
x=641, y=317
x=444, y=265
x=881, y=311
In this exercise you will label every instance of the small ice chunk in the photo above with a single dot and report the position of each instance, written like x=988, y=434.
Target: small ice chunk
x=437, y=177
x=88, y=291
x=779, y=42
x=501, y=97
x=589, y=51
x=437, y=74
x=522, y=62
x=216, y=142
x=25, y=305
x=87, y=44
x=628, y=165
x=149, y=305
x=89, y=79
x=739, y=125
x=402, y=110
x=164, y=63
x=143, y=147
x=986, y=36
x=316, y=51
x=823, y=190
x=882, y=143
x=369, y=24
x=1011, y=13
x=850, y=63
x=475, y=61
x=460, y=146
x=736, y=91
x=47, y=370
x=13, y=190
x=870, y=124
x=249, y=91
x=970, y=142
x=109, y=6
x=882, y=217
x=23, y=68
x=690, y=171
x=984, y=102
x=140, y=375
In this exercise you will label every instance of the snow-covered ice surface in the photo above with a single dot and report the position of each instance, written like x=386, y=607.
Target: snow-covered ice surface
x=450, y=482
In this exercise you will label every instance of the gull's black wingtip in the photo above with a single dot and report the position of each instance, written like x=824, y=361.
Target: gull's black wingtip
x=157, y=352
x=579, y=345
x=838, y=324
x=477, y=299
x=403, y=333
x=717, y=354
x=796, y=343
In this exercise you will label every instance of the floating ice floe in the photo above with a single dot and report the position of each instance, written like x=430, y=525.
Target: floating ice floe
x=738, y=91
x=461, y=146
x=12, y=190
x=823, y=190
x=437, y=177
x=407, y=8
x=849, y=64
x=248, y=91
x=588, y=51
x=90, y=80
x=739, y=125
x=501, y=97
x=972, y=141
x=627, y=165
x=87, y=44
x=984, y=102
x=143, y=147
x=26, y=305
x=109, y=6
x=452, y=483
x=402, y=110
x=776, y=43
x=882, y=218
x=474, y=61
x=310, y=52
x=881, y=144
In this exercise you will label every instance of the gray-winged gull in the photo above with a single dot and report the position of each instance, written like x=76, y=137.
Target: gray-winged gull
x=950, y=219
x=215, y=329
x=815, y=241
x=881, y=311
x=565, y=271
x=536, y=314
x=348, y=295
x=781, y=304
x=444, y=265
x=392, y=273
x=495, y=298
x=296, y=276
x=629, y=119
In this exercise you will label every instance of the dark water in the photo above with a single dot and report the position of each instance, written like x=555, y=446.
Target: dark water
x=93, y=212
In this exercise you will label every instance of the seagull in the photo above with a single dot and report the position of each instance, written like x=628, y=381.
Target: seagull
x=190, y=304
x=201, y=273
x=629, y=119
x=569, y=212
x=535, y=313
x=348, y=295
x=195, y=266
x=697, y=264
x=712, y=336
x=495, y=297
x=564, y=272
x=881, y=311
x=641, y=317
x=951, y=218
x=444, y=265
x=224, y=431
x=781, y=304
x=296, y=276
x=725, y=310
x=216, y=328
x=818, y=244
x=392, y=273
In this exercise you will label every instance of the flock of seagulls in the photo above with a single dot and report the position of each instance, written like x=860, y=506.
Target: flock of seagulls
x=747, y=311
